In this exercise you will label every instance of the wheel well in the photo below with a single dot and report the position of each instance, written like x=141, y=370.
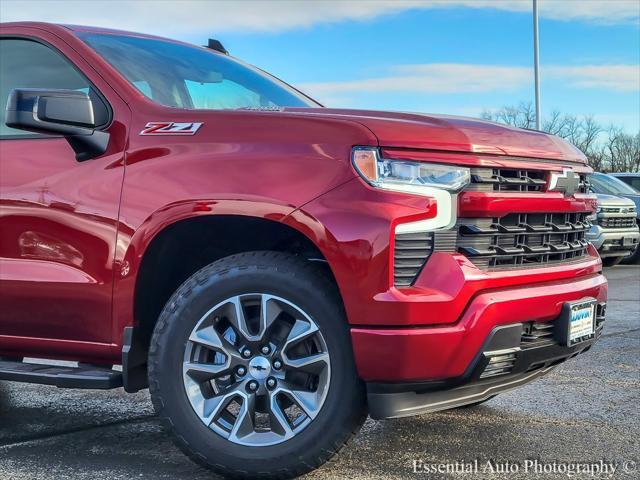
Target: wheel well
x=184, y=247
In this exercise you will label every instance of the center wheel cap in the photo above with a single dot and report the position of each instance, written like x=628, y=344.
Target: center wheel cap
x=259, y=368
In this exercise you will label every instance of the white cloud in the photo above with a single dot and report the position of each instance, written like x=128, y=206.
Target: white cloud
x=431, y=78
x=623, y=78
x=199, y=16
x=438, y=78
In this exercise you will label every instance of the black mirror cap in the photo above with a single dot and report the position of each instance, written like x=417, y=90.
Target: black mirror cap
x=58, y=112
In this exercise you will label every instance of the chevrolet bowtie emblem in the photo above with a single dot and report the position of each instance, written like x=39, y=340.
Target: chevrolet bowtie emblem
x=567, y=182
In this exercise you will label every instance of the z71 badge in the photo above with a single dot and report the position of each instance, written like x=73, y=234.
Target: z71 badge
x=170, y=128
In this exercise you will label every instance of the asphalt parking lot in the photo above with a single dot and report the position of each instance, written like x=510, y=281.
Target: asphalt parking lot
x=587, y=410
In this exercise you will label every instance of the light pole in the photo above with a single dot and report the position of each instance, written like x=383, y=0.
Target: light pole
x=536, y=62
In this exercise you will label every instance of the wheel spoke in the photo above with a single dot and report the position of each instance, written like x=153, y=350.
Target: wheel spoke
x=209, y=338
x=213, y=407
x=300, y=331
x=238, y=320
x=244, y=424
x=306, y=400
x=278, y=419
x=206, y=371
x=314, y=363
x=269, y=311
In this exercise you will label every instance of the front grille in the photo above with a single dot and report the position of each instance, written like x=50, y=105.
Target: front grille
x=617, y=222
x=534, y=335
x=507, y=180
x=523, y=239
x=542, y=334
x=411, y=251
x=516, y=240
x=514, y=180
x=537, y=334
x=624, y=210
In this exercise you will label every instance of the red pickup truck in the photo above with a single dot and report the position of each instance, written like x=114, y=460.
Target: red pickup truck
x=273, y=270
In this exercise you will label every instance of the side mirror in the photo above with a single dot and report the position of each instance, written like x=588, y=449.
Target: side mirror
x=58, y=112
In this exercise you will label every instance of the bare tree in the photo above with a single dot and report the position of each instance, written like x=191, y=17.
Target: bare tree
x=590, y=130
x=554, y=124
x=522, y=116
x=612, y=150
x=622, y=150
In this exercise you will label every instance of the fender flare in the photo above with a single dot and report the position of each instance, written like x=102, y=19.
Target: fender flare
x=132, y=244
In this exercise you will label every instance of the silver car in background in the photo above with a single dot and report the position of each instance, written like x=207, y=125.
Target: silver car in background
x=615, y=228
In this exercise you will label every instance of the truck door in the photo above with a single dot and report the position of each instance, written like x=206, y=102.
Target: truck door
x=58, y=216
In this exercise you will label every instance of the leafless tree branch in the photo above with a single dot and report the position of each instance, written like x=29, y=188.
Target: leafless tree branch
x=608, y=150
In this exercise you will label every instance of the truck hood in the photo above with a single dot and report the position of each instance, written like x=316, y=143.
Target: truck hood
x=456, y=134
x=605, y=200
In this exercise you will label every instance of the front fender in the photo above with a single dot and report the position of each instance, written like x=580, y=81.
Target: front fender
x=352, y=226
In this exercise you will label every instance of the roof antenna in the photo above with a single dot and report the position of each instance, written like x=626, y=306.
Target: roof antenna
x=216, y=45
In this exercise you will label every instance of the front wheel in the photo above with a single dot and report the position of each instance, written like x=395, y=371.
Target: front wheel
x=251, y=367
x=633, y=258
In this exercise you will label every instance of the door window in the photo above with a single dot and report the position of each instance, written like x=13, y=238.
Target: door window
x=29, y=64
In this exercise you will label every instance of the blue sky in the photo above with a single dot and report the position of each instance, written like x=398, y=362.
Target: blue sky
x=456, y=57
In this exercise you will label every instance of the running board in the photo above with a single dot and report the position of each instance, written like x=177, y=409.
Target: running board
x=64, y=377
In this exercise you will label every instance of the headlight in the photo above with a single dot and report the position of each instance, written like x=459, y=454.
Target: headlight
x=406, y=175
x=438, y=182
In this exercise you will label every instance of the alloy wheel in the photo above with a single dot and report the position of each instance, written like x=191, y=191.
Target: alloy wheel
x=256, y=369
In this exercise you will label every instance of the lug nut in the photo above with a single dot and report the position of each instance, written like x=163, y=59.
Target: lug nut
x=241, y=371
x=253, y=385
x=277, y=364
x=271, y=382
x=246, y=353
x=266, y=350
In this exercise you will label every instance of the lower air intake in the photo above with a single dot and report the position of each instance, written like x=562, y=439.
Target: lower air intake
x=500, y=363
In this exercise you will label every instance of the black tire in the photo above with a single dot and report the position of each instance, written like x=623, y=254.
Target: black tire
x=633, y=259
x=611, y=261
x=292, y=278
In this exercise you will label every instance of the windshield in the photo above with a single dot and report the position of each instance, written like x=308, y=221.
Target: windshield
x=633, y=180
x=601, y=183
x=185, y=76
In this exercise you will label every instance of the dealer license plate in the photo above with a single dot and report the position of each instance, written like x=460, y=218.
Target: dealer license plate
x=582, y=321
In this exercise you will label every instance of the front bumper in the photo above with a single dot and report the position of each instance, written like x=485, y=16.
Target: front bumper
x=449, y=350
x=434, y=329
x=506, y=361
x=614, y=241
